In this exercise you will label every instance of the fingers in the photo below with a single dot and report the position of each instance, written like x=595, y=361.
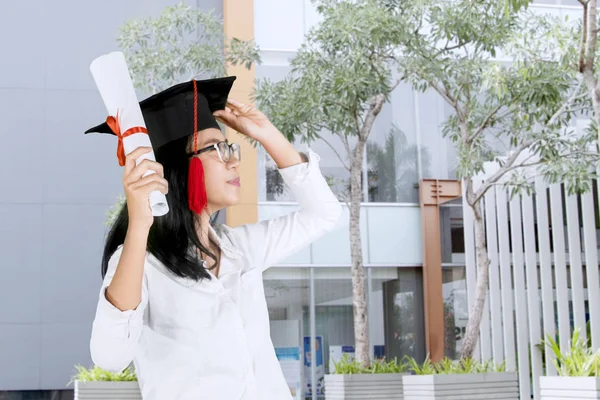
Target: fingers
x=226, y=116
x=151, y=183
x=228, y=112
x=234, y=103
x=138, y=172
x=237, y=107
x=133, y=156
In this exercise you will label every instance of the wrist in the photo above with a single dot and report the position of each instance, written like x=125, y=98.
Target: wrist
x=138, y=230
x=268, y=135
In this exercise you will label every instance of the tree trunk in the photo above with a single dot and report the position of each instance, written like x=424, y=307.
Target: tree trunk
x=592, y=85
x=481, y=286
x=588, y=44
x=359, y=301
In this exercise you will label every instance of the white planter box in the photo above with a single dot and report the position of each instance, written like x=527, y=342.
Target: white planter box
x=363, y=387
x=569, y=388
x=494, y=385
x=107, y=391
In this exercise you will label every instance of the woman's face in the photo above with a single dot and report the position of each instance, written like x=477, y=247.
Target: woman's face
x=222, y=179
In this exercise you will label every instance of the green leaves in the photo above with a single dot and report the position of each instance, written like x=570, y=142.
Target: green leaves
x=408, y=364
x=449, y=366
x=181, y=43
x=96, y=374
x=343, y=64
x=115, y=209
x=580, y=359
x=527, y=104
x=351, y=367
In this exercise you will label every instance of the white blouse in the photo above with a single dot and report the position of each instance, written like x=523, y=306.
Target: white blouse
x=211, y=339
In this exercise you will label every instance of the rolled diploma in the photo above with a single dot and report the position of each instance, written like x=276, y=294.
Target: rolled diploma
x=114, y=83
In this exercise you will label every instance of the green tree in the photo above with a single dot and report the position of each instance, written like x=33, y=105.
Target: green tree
x=345, y=70
x=525, y=105
x=585, y=61
x=182, y=43
x=339, y=81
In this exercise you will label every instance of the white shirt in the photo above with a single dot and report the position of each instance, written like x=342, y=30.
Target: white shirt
x=211, y=339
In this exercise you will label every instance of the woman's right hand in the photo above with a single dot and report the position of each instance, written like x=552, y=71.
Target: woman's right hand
x=138, y=188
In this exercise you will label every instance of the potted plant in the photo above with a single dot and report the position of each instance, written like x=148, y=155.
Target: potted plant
x=114, y=210
x=350, y=381
x=99, y=384
x=578, y=371
x=459, y=379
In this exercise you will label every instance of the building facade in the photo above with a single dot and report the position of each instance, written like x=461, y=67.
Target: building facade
x=59, y=184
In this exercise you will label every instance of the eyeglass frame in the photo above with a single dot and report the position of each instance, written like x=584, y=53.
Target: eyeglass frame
x=215, y=146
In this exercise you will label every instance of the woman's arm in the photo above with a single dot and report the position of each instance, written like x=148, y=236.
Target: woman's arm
x=125, y=289
x=268, y=242
x=273, y=240
x=119, y=315
x=281, y=150
x=248, y=120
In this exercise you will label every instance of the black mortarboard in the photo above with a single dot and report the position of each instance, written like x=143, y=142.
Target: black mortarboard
x=169, y=115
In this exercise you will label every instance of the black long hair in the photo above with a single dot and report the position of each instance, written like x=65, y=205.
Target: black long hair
x=173, y=235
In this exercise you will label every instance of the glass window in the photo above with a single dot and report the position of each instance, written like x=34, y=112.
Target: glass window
x=330, y=149
x=434, y=155
x=392, y=162
x=287, y=291
x=334, y=313
x=332, y=167
x=454, y=289
x=400, y=295
x=452, y=232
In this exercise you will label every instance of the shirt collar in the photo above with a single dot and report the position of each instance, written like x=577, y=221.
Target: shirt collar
x=224, y=242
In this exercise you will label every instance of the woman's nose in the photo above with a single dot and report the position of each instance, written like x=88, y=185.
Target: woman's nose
x=233, y=162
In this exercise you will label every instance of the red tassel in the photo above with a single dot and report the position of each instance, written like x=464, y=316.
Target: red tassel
x=196, y=186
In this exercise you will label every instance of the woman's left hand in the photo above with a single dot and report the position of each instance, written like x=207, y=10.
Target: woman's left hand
x=245, y=119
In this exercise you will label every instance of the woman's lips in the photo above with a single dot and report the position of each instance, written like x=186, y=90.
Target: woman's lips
x=234, y=182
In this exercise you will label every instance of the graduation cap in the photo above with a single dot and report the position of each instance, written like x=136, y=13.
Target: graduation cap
x=180, y=111
x=170, y=115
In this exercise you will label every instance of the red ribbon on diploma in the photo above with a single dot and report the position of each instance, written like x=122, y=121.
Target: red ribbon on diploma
x=113, y=124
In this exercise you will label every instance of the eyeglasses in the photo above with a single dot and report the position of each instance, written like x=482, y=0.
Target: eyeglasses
x=224, y=150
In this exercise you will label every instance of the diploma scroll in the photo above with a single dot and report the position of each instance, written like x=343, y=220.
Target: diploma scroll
x=114, y=83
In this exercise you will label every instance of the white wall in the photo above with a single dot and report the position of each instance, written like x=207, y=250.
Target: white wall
x=391, y=235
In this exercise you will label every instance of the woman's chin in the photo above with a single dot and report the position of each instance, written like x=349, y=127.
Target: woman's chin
x=229, y=202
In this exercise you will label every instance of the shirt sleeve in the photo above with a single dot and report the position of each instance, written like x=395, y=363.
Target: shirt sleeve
x=276, y=239
x=115, y=333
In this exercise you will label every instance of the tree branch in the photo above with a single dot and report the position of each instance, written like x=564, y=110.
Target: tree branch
x=456, y=46
x=374, y=110
x=591, y=33
x=509, y=165
x=344, y=140
x=582, y=108
x=444, y=93
x=485, y=123
x=395, y=85
x=357, y=120
x=583, y=45
x=523, y=164
x=335, y=151
x=501, y=171
x=566, y=104
x=531, y=177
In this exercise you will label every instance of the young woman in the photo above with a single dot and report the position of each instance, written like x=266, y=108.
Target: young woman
x=182, y=299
